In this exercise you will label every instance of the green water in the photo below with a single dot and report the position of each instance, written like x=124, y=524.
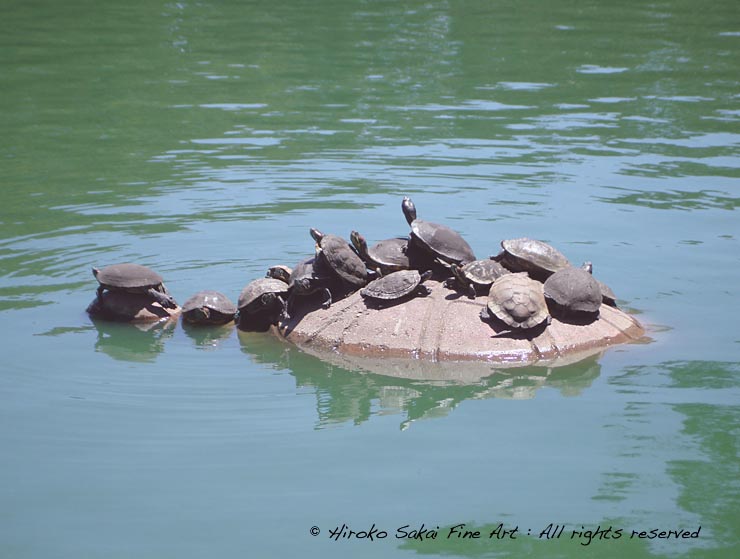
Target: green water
x=205, y=138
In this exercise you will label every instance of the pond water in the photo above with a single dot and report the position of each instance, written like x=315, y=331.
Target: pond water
x=204, y=139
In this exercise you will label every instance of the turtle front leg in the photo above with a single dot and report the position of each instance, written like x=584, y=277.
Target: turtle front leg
x=167, y=301
x=99, y=293
x=472, y=294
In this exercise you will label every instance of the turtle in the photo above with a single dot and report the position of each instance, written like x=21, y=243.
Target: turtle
x=386, y=256
x=262, y=300
x=307, y=277
x=397, y=285
x=442, y=242
x=279, y=272
x=340, y=258
x=573, y=291
x=518, y=301
x=607, y=295
x=476, y=276
x=528, y=255
x=208, y=307
x=134, y=278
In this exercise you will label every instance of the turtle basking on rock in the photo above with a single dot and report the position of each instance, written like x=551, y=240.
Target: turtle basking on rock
x=208, y=307
x=573, y=292
x=539, y=259
x=476, y=277
x=261, y=303
x=308, y=277
x=134, y=278
x=438, y=240
x=390, y=255
x=337, y=254
x=518, y=301
x=397, y=285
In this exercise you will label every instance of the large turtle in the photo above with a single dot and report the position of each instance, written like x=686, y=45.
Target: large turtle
x=262, y=301
x=518, y=301
x=134, y=278
x=340, y=258
x=476, y=276
x=208, y=307
x=439, y=240
x=397, y=285
x=573, y=291
x=529, y=255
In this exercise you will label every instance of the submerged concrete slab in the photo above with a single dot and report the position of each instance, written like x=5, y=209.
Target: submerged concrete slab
x=445, y=327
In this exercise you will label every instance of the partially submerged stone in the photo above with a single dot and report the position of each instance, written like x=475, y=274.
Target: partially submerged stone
x=446, y=327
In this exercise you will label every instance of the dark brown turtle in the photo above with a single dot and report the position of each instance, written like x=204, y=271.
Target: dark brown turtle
x=134, y=278
x=528, y=255
x=340, y=258
x=208, y=307
x=386, y=256
x=262, y=301
x=518, y=301
x=397, y=285
x=477, y=276
x=573, y=291
x=307, y=277
x=439, y=240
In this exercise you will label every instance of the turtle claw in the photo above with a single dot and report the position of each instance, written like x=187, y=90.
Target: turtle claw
x=472, y=294
x=327, y=302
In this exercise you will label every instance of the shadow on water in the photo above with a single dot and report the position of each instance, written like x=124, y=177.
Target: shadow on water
x=411, y=388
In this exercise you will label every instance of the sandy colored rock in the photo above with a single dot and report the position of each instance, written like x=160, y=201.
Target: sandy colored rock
x=445, y=326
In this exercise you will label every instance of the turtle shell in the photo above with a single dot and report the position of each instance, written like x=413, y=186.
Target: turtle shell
x=208, y=307
x=127, y=276
x=440, y=240
x=574, y=290
x=518, y=300
x=607, y=295
x=483, y=272
x=394, y=285
x=311, y=269
x=389, y=255
x=251, y=299
x=344, y=261
x=530, y=255
x=279, y=272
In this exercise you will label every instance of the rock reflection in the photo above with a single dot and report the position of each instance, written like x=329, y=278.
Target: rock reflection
x=356, y=390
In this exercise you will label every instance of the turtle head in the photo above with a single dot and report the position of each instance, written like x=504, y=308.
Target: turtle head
x=588, y=267
x=358, y=241
x=316, y=234
x=457, y=272
x=426, y=275
x=409, y=210
x=302, y=285
x=267, y=299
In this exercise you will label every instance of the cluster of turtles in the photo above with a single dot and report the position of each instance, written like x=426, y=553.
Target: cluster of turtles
x=526, y=283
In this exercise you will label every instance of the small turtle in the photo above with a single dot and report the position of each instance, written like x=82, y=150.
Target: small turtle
x=208, y=307
x=134, y=278
x=262, y=300
x=477, y=276
x=309, y=276
x=387, y=256
x=573, y=291
x=341, y=259
x=439, y=240
x=397, y=285
x=517, y=300
x=528, y=255
x=279, y=272
x=607, y=295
